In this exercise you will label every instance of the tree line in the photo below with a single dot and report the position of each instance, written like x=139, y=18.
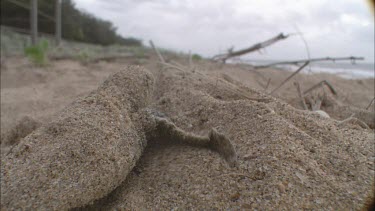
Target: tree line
x=76, y=25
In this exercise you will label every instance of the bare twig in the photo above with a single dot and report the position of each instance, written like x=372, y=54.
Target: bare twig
x=268, y=84
x=291, y=76
x=297, y=62
x=346, y=120
x=237, y=91
x=172, y=66
x=261, y=84
x=256, y=47
x=324, y=82
x=369, y=105
x=177, y=64
x=353, y=120
x=305, y=42
x=157, y=52
x=300, y=95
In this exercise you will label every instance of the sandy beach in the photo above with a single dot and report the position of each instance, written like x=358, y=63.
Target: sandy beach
x=288, y=157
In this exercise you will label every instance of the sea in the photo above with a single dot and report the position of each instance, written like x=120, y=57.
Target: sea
x=358, y=70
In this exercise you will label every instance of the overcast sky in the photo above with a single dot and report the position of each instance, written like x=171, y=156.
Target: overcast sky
x=207, y=27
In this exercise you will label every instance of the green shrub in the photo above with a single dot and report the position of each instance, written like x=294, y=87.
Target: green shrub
x=38, y=53
x=83, y=56
x=196, y=57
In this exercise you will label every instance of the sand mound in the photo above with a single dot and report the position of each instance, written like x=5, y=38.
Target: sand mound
x=287, y=158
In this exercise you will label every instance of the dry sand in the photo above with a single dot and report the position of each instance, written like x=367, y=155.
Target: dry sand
x=287, y=158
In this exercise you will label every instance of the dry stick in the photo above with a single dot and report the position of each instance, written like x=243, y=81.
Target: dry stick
x=162, y=60
x=330, y=87
x=235, y=90
x=177, y=64
x=157, y=52
x=291, y=76
x=305, y=42
x=296, y=62
x=268, y=84
x=261, y=84
x=354, y=120
x=300, y=95
x=370, y=103
x=346, y=120
x=172, y=66
x=256, y=47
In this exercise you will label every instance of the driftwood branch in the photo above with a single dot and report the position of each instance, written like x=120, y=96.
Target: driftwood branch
x=324, y=82
x=291, y=76
x=256, y=47
x=300, y=95
x=157, y=52
x=297, y=62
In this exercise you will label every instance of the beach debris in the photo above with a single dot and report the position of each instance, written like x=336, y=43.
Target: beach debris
x=291, y=76
x=300, y=95
x=339, y=111
x=161, y=58
x=320, y=84
x=302, y=61
x=173, y=66
x=163, y=62
x=369, y=105
x=353, y=120
x=256, y=47
x=300, y=34
x=183, y=69
x=268, y=84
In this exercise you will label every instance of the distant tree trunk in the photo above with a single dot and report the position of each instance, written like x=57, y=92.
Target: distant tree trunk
x=58, y=22
x=34, y=21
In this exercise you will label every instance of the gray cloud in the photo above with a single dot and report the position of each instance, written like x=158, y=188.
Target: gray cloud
x=331, y=28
